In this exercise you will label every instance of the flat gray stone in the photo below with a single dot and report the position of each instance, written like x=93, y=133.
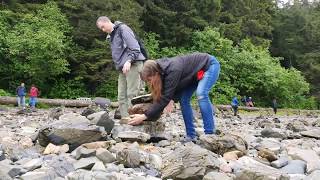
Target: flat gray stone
x=81, y=174
x=314, y=133
x=134, y=136
x=83, y=152
x=295, y=167
x=105, y=156
x=33, y=164
x=85, y=163
x=281, y=162
x=98, y=166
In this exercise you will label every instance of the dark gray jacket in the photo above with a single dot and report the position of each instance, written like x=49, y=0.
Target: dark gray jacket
x=177, y=73
x=124, y=45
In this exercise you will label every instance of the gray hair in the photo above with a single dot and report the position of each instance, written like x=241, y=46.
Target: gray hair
x=103, y=19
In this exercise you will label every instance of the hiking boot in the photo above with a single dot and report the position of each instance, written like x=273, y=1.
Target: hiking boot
x=117, y=114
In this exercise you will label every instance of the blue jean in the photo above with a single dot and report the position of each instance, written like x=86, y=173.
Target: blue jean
x=21, y=101
x=33, y=101
x=202, y=89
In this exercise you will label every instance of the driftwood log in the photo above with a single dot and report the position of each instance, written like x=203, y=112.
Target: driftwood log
x=52, y=102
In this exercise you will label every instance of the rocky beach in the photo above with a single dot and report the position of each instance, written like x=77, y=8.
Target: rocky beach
x=88, y=143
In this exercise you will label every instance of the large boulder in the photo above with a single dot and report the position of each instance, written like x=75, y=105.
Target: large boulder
x=224, y=143
x=71, y=129
x=189, y=162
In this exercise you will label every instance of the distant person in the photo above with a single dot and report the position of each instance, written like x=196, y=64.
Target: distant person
x=250, y=102
x=244, y=100
x=274, y=105
x=21, y=95
x=34, y=93
x=234, y=105
x=128, y=57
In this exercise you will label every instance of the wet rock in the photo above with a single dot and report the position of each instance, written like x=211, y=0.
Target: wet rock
x=296, y=126
x=216, y=176
x=281, y=162
x=73, y=130
x=33, y=164
x=102, y=102
x=142, y=99
x=53, y=149
x=273, y=133
x=314, y=133
x=85, y=163
x=309, y=156
x=267, y=154
x=295, y=167
x=129, y=157
x=105, y=156
x=224, y=143
x=252, y=169
x=56, y=113
x=83, y=152
x=189, y=162
x=86, y=112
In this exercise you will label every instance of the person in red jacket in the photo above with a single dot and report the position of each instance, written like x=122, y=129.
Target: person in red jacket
x=176, y=79
x=34, y=93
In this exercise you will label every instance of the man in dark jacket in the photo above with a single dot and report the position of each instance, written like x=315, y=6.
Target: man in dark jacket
x=128, y=60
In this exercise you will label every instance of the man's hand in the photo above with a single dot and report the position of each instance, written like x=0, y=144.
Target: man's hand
x=168, y=109
x=137, y=119
x=126, y=67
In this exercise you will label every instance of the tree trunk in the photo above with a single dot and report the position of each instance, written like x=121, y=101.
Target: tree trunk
x=52, y=102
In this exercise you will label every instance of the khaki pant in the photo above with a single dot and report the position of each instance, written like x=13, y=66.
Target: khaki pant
x=128, y=87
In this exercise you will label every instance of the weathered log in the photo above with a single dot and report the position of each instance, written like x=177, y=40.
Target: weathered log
x=52, y=102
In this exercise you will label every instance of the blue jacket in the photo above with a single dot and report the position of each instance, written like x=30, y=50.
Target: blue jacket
x=235, y=101
x=21, y=91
